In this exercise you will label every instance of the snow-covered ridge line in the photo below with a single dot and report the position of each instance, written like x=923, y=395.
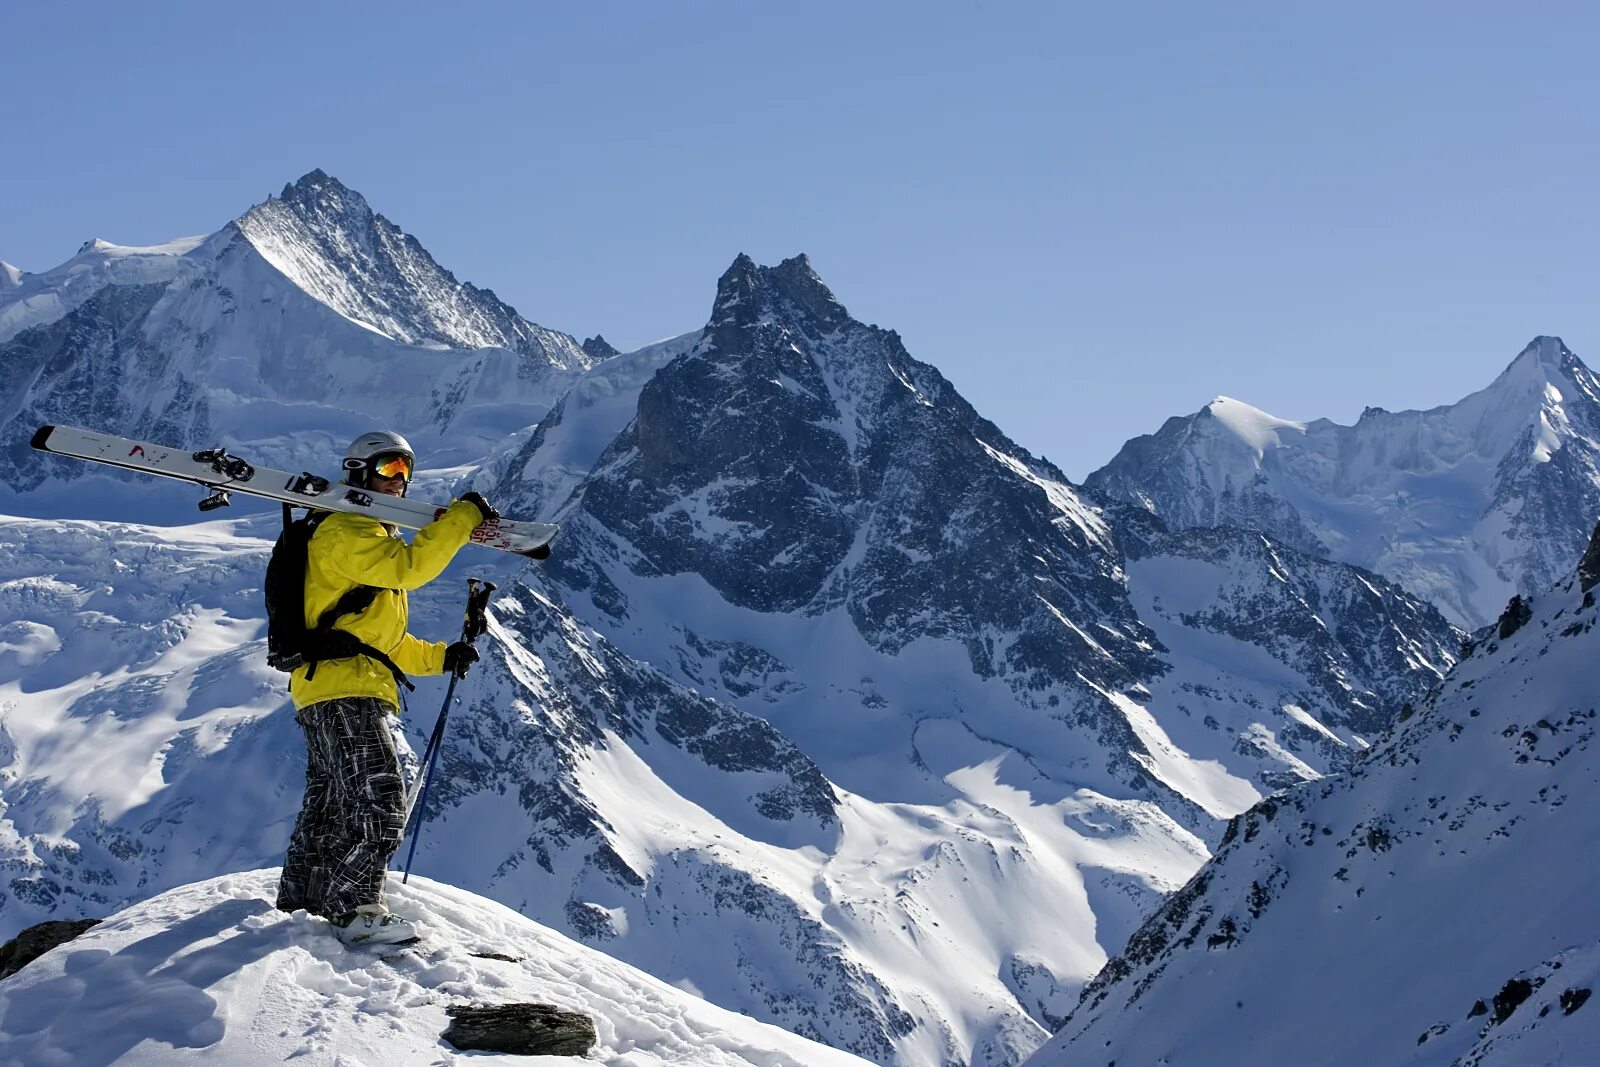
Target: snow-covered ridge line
x=29, y=300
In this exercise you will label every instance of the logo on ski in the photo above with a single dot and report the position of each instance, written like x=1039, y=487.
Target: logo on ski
x=358, y=498
x=486, y=531
x=138, y=450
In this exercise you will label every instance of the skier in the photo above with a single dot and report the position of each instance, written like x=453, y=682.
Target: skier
x=353, y=815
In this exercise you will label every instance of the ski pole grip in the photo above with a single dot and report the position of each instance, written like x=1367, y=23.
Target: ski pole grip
x=476, y=623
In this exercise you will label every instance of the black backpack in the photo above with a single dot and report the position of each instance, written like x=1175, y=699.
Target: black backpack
x=290, y=644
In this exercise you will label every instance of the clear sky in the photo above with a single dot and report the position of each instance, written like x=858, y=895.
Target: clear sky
x=1089, y=216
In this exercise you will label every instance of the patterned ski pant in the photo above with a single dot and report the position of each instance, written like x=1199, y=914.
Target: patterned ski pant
x=353, y=815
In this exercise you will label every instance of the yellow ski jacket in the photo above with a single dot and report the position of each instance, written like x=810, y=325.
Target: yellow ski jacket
x=350, y=550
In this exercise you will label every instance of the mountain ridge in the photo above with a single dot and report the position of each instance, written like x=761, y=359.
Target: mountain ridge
x=1443, y=873
x=1464, y=504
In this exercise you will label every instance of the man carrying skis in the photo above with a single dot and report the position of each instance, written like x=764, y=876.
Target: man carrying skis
x=353, y=816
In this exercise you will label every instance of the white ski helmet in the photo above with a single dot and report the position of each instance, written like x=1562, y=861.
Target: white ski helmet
x=358, y=458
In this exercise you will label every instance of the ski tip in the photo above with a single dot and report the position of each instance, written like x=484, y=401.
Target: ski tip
x=41, y=435
x=542, y=552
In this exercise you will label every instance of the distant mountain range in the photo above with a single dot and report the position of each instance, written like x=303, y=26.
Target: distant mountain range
x=1463, y=505
x=833, y=704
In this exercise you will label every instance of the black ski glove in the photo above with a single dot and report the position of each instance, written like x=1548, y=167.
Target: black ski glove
x=485, y=508
x=458, y=657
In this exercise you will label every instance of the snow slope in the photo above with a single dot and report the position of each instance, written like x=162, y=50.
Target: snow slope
x=1463, y=505
x=1435, y=906
x=212, y=973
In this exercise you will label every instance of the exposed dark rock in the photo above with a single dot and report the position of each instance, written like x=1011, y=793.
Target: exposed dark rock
x=1511, y=994
x=1515, y=616
x=1478, y=1008
x=1589, y=565
x=1573, y=999
x=520, y=1029
x=35, y=941
x=599, y=348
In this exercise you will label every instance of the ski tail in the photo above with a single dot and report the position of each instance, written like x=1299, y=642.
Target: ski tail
x=41, y=438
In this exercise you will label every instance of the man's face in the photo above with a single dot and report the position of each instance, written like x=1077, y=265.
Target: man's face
x=395, y=486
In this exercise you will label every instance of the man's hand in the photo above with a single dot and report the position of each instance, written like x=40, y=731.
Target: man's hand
x=475, y=498
x=458, y=657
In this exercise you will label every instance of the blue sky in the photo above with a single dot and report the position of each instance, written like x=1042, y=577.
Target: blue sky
x=1090, y=217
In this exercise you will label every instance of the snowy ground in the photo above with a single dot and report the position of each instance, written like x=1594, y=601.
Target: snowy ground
x=211, y=973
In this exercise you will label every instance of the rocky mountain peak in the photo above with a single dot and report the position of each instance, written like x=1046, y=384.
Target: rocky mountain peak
x=325, y=238
x=10, y=277
x=319, y=195
x=599, y=348
x=1544, y=360
x=749, y=295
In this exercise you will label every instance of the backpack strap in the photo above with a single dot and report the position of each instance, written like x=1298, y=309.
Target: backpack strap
x=326, y=642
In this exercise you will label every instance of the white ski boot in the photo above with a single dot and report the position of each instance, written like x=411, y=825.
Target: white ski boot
x=374, y=924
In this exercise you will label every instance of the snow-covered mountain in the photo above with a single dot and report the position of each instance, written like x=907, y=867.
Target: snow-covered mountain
x=1436, y=905
x=210, y=973
x=326, y=239
x=292, y=329
x=803, y=522
x=1463, y=505
x=834, y=703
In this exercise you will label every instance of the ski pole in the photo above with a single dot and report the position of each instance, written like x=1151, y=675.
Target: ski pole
x=472, y=627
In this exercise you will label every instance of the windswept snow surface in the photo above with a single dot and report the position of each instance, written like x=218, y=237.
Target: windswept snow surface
x=212, y=973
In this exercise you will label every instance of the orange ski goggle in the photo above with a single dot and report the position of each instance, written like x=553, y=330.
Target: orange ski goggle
x=395, y=466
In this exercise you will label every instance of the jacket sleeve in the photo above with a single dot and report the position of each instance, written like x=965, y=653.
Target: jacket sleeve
x=365, y=553
x=419, y=657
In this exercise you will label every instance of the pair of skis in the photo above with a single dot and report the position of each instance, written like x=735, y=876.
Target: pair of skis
x=224, y=473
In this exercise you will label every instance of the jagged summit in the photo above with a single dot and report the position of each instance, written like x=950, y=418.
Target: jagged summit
x=314, y=182
x=746, y=293
x=599, y=348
